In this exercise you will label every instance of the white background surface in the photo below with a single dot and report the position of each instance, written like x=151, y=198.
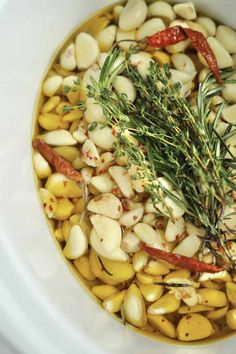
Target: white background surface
x=43, y=310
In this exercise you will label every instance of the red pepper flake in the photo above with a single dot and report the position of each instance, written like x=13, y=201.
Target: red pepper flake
x=113, y=132
x=135, y=217
x=164, y=244
x=188, y=317
x=60, y=164
x=125, y=204
x=50, y=208
x=178, y=34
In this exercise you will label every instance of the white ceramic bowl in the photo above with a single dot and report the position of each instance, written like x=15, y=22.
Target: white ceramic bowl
x=43, y=309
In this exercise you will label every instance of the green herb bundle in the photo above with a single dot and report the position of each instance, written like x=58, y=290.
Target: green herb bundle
x=176, y=140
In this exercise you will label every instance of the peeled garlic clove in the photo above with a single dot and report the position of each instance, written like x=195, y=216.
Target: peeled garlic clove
x=41, y=166
x=114, y=302
x=179, y=76
x=61, y=186
x=156, y=268
x=161, y=9
x=130, y=242
x=106, y=204
x=184, y=63
x=90, y=154
x=132, y=15
x=231, y=292
x=213, y=297
x=67, y=58
x=108, y=230
x=103, y=183
x=52, y=85
x=125, y=39
x=146, y=233
x=49, y=202
x=227, y=38
x=149, y=207
x=162, y=324
x=208, y=24
x=177, y=210
x=143, y=68
x=93, y=72
x=83, y=266
x=132, y=217
x=151, y=292
x=223, y=276
x=94, y=112
x=140, y=57
x=106, y=38
x=104, y=291
x=79, y=133
x=50, y=104
x=193, y=230
x=183, y=310
x=186, y=10
x=140, y=259
x=181, y=273
x=187, y=294
x=122, y=179
x=87, y=50
x=194, y=327
x=166, y=304
x=102, y=136
x=150, y=27
x=107, y=159
x=86, y=173
x=150, y=219
x=229, y=91
x=229, y=218
x=77, y=243
x=188, y=247
x=118, y=255
x=181, y=46
x=134, y=307
x=229, y=114
x=174, y=229
x=59, y=137
x=125, y=86
x=231, y=319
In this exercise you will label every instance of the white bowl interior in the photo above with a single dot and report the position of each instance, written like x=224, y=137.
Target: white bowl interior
x=43, y=309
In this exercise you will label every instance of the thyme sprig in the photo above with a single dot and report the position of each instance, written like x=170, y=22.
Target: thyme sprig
x=176, y=140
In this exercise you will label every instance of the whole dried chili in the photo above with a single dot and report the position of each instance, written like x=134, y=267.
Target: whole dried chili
x=60, y=164
x=180, y=261
x=178, y=34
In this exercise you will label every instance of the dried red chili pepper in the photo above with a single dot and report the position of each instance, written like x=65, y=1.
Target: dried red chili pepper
x=178, y=34
x=60, y=164
x=180, y=261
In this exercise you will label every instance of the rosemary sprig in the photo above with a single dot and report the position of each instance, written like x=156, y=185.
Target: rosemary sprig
x=176, y=141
